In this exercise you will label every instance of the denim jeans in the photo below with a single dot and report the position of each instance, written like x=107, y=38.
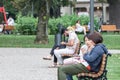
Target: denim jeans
x=69, y=77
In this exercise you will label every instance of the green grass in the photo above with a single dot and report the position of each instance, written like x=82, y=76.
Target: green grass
x=23, y=41
x=112, y=41
x=113, y=67
x=26, y=41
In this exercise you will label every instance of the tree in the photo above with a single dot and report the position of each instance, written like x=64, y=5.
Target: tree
x=42, y=7
x=9, y=8
x=114, y=11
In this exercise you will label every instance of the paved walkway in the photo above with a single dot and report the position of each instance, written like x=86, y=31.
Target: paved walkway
x=27, y=64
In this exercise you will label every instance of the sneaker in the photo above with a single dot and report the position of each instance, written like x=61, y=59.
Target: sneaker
x=47, y=58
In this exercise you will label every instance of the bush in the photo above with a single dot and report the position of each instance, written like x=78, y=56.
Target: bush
x=69, y=20
x=26, y=25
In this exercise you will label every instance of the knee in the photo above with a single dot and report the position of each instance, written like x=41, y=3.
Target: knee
x=84, y=28
x=60, y=68
x=56, y=53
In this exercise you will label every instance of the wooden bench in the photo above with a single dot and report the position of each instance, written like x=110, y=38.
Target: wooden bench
x=77, y=49
x=109, y=28
x=100, y=75
x=86, y=27
x=9, y=27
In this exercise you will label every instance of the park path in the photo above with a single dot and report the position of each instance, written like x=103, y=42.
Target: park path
x=27, y=64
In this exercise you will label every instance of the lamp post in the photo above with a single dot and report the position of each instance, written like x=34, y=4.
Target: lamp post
x=91, y=15
x=102, y=13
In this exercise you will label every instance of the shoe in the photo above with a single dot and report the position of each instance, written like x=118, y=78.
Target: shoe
x=47, y=58
x=53, y=66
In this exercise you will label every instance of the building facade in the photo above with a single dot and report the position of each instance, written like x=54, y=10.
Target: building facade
x=101, y=10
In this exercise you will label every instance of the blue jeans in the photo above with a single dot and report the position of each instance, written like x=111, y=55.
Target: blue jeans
x=69, y=77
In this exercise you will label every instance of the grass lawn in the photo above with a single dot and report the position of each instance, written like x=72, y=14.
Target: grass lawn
x=113, y=67
x=23, y=41
x=26, y=41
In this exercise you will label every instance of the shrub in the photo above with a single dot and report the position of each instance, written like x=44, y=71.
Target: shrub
x=26, y=25
x=69, y=20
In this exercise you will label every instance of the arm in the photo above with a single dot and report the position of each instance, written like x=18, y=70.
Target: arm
x=71, y=40
x=94, y=54
x=69, y=43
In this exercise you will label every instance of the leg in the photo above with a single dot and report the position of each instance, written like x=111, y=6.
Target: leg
x=56, y=46
x=84, y=30
x=58, y=53
x=51, y=53
x=55, y=59
x=71, y=60
x=69, y=77
x=54, y=65
x=70, y=69
x=1, y=28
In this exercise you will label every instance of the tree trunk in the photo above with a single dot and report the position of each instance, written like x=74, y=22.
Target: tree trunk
x=114, y=12
x=43, y=16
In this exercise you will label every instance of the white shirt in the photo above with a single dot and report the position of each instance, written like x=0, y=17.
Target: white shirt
x=11, y=21
x=79, y=28
x=73, y=35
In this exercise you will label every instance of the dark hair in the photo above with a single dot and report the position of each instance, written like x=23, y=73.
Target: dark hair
x=63, y=30
x=77, y=21
x=95, y=37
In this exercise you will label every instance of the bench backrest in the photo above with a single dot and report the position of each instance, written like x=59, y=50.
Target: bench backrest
x=108, y=27
x=100, y=72
x=86, y=27
x=8, y=27
x=77, y=48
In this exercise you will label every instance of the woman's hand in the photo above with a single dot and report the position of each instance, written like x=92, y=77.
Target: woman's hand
x=63, y=43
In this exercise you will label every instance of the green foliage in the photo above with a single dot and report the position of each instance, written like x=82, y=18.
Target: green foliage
x=64, y=20
x=69, y=20
x=84, y=20
x=26, y=25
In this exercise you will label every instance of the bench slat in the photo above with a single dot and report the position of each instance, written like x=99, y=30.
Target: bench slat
x=111, y=28
x=8, y=27
x=101, y=73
